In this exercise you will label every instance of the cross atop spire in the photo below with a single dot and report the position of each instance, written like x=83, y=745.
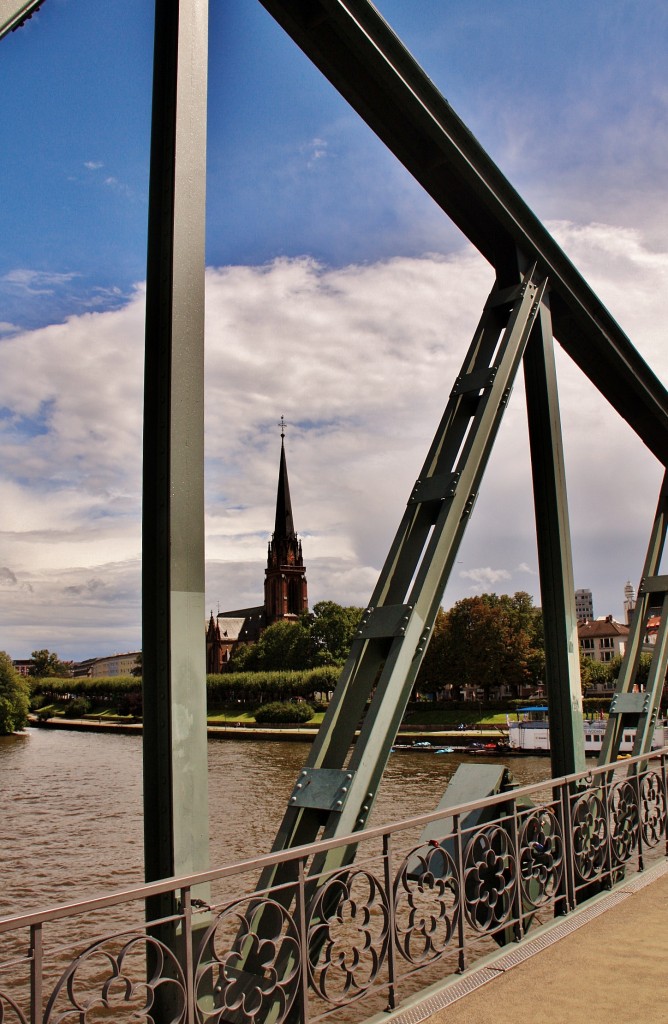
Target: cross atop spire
x=282, y=425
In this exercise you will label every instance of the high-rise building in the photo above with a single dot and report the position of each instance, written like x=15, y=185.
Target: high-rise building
x=584, y=605
x=629, y=601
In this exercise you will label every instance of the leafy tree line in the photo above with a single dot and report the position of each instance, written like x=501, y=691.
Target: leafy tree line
x=489, y=641
x=599, y=673
x=233, y=687
x=318, y=638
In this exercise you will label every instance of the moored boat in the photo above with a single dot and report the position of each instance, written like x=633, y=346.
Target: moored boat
x=531, y=734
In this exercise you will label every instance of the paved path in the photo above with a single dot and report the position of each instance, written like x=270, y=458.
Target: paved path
x=610, y=966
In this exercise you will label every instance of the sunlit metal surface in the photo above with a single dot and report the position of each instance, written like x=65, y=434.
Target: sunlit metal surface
x=13, y=13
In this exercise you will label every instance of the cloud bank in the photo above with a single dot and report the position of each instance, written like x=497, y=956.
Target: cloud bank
x=360, y=361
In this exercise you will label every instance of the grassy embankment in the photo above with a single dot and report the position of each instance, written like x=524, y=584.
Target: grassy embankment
x=433, y=717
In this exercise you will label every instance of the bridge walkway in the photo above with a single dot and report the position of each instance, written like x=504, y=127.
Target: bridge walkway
x=603, y=964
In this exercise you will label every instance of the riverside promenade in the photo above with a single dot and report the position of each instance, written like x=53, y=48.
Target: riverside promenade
x=603, y=964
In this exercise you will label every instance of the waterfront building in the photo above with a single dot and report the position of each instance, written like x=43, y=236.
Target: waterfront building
x=23, y=666
x=602, y=639
x=110, y=665
x=285, y=586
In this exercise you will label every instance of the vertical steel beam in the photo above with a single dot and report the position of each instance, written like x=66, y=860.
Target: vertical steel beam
x=174, y=668
x=562, y=658
x=639, y=710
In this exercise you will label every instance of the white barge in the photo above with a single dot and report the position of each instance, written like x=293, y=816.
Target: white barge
x=531, y=734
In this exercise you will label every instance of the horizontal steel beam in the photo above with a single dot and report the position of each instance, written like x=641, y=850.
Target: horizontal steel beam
x=14, y=12
x=357, y=51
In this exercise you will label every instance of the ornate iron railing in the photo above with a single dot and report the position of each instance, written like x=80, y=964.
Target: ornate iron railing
x=405, y=914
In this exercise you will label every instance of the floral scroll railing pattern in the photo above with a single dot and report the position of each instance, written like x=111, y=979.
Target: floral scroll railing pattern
x=331, y=940
x=119, y=979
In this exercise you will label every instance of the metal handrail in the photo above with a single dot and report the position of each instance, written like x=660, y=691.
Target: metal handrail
x=298, y=853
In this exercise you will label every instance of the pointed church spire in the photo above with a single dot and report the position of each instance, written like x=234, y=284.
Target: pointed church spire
x=285, y=580
x=284, y=526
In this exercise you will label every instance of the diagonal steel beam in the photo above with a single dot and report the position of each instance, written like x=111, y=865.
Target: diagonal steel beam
x=356, y=50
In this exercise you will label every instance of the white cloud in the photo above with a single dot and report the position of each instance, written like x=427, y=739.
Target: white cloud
x=93, y=165
x=360, y=360
x=486, y=578
x=35, y=282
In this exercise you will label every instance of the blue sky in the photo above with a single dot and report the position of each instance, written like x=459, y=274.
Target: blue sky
x=321, y=250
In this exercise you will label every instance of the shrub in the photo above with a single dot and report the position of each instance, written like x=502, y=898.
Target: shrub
x=131, y=704
x=77, y=708
x=284, y=712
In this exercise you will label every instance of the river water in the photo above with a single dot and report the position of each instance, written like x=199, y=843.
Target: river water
x=72, y=807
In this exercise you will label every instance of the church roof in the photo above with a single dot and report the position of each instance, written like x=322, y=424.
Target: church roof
x=241, y=624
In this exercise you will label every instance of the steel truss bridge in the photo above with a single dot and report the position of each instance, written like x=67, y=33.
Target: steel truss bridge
x=538, y=297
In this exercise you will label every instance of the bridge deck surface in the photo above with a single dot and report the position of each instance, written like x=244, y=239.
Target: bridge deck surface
x=603, y=965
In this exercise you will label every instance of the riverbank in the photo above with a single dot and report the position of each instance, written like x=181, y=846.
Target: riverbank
x=290, y=733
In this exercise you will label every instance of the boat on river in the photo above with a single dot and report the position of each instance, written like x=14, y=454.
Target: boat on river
x=531, y=734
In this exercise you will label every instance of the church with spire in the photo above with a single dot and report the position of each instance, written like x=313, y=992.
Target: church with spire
x=285, y=589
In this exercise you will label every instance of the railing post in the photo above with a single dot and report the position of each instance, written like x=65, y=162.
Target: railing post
x=607, y=803
x=664, y=793
x=569, y=858
x=636, y=778
x=35, y=973
x=518, y=928
x=388, y=871
x=188, y=958
x=303, y=940
x=461, y=932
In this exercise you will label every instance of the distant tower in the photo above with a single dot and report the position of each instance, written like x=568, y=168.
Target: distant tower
x=285, y=592
x=584, y=605
x=629, y=602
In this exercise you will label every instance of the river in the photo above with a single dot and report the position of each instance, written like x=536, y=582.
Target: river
x=72, y=807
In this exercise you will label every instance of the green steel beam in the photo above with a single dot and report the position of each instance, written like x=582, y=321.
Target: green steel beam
x=356, y=50
x=555, y=560
x=336, y=790
x=629, y=708
x=13, y=13
x=176, y=826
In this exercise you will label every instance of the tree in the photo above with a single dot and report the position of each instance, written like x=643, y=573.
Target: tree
x=321, y=637
x=431, y=676
x=283, y=645
x=14, y=697
x=486, y=642
x=47, y=665
x=332, y=628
